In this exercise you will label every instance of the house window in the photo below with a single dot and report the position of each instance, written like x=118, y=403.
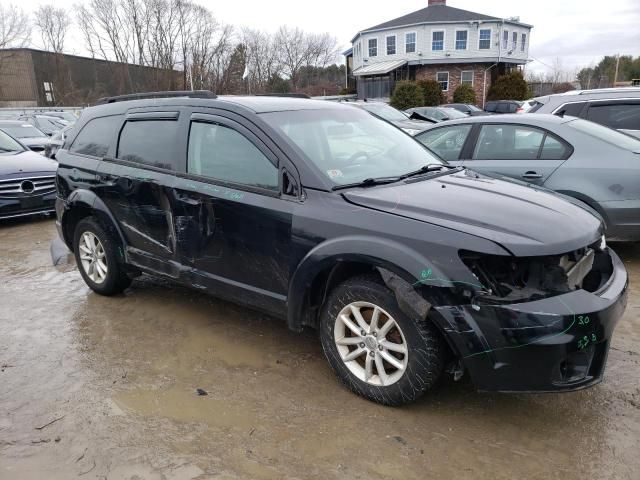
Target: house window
x=505, y=39
x=524, y=42
x=485, y=39
x=466, y=78
x=461, y=39
x=410, y=42
x=514, y=45
x=437, y=41
x=391, y=45
x=443, y=79
x=373, y=47
x=48, y=91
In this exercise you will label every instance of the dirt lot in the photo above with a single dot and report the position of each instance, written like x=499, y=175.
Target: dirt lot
x=94, y=387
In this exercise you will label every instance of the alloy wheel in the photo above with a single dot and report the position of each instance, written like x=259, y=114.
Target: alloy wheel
x=93, y=257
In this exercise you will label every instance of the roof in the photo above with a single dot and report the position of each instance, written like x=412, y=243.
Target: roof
x=539, y=119
x=379, y=68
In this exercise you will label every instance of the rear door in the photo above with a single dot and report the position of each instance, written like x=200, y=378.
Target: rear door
x=623, y=115
x=519, y=151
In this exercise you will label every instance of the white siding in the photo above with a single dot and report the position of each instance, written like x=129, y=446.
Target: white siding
x=423, y=43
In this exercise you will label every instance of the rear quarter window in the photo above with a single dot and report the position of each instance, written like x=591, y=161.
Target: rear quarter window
x=150, y=142
x=621, y=116
x=96, y=136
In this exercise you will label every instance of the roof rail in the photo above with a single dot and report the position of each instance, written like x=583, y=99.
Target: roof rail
x=290, y=95
x=168, y=94
x=606, y=90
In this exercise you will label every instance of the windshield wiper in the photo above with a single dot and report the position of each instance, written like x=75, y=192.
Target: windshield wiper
x=430, y=167
x=367, y=182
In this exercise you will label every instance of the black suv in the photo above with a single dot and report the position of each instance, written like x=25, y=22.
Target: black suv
x=328, y=217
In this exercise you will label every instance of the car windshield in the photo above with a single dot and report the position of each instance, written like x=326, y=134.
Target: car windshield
x=606, y=134
x=22, y=131
x=452, y=113
x=9, y=144
x=390, y=114
x=349, y=145
x=473, y=108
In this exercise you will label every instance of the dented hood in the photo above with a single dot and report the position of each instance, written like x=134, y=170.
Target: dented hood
x=524, y=220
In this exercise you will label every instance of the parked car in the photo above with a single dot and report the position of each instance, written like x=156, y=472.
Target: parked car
x=67, y=116
x=328, y=217
x=527, y=106
x=504, y=106
x=26, y=133
x=394, y=116
x=45, y=123
x=617, y=108
x=436, y=114
x=27, y=180
x=466, y=108
x=56, y=141
x=594, y=164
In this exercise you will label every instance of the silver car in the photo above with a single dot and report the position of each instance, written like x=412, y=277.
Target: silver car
x=617, y=108
x=594, y=164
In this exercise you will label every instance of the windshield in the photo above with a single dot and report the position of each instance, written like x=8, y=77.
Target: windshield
x=453, y=113
x=22, y=131
x=349, y=145
x=606, y=134
x=390, y=114
x=473, y=108
x=8, y=144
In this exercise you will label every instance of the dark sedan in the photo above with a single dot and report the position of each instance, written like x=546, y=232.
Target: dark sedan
x=26, y=133
x=27, y=180
x=595, y=165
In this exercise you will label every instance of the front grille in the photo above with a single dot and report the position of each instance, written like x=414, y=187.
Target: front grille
x=27, y=186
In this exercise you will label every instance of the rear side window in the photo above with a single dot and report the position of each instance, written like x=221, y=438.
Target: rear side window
x=447, y=142
x=572, y=109
x=150, y=142
x=554, y=149
x=508, y=142
x=222, y=153
x=621, y=116
x=491, y=106
x=96, y=136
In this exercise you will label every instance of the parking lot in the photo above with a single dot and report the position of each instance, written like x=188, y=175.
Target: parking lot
x=97, y=387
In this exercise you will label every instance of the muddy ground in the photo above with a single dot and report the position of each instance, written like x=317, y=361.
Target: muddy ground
x=94, y=387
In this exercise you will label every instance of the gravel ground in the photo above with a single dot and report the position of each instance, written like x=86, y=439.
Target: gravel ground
x=95, y=387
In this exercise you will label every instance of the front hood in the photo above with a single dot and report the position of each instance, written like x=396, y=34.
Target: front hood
x=26, y=162
x=522, y=219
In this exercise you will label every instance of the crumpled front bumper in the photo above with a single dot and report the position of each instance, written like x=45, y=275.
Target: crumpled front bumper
x=555, y=344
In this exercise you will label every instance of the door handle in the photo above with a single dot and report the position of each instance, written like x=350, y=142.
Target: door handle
x=531, y=174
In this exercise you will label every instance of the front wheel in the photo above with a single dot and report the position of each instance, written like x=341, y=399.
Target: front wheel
x=377, y=351
x=97, y=258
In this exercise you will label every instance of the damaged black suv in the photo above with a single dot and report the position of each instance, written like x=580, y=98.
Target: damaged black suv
x=328, y=217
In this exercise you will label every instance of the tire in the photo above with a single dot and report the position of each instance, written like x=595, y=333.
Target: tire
x=106, y=254
x=413, y=373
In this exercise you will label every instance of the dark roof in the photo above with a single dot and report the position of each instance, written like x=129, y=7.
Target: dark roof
x=434, y=13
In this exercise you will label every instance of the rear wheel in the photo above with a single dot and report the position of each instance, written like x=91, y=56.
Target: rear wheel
x=97, y=257
x=375, y=349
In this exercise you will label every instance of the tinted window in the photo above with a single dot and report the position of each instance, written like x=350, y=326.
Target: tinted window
x=620, y=116
x=491, y=106
x=150, y=142
x=96, y=135
x=222, y=153
x=446, y=142
x=508, y=142
x=572, y=109
x=554, y=149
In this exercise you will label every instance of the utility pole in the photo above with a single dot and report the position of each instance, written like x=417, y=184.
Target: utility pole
x=615, y=78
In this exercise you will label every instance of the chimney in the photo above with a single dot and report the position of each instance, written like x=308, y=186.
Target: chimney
x=433, y=3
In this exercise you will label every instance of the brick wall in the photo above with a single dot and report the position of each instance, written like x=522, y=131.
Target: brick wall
x=429, y=72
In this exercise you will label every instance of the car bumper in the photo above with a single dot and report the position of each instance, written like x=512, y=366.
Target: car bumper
x=556, y=344
x=21, y=207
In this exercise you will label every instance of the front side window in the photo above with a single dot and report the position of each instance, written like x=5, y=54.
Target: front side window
x=524, y=42
x=373, y=47
x=505, y=39
x=485, y=39
x=348, y=144
x=621, y=116
x=508, y=142
x=461, y=39
x=446, y=142
x=410, y=42
x=96, y=135
x=391, y=45
x=437, y=41
x=443, y=79
x=149, y=142
x=222, y=153
x=514, y=43
x=466, y=78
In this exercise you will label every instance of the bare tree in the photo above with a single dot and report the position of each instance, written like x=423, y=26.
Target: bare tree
x=263, y=58
x=53, y=24
x=15, y=29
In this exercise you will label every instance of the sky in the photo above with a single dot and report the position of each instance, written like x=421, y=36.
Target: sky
x=571, y=33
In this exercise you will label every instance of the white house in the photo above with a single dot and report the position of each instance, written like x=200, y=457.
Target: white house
x=439, y=42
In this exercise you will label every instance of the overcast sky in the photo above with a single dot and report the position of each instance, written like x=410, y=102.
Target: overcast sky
x=578, y=32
